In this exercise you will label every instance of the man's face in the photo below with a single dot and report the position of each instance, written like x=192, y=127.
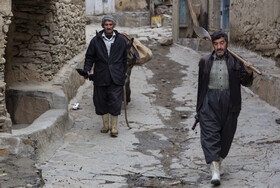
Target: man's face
x=108, y=27
x=220, y=47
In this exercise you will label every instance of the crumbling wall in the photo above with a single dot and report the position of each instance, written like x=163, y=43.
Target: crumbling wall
x=5, y=20
x=44, y=34
x=256, y=25
x=131, y=5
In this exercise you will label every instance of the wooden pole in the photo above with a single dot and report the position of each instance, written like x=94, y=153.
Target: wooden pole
x=175, y=20
x=193, y=15
x=152, y=8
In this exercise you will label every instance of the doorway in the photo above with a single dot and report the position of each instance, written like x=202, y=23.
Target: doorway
x=225, y=15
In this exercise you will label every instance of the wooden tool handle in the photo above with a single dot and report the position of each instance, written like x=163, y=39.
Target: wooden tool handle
x=193, y=15
x=243, y=61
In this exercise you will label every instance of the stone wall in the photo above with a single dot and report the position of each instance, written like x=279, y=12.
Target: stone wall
x=5, y=20
x=256, y=25
x=44, y=34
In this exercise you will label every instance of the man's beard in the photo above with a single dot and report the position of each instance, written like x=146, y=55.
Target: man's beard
x=220, y=51
x=108, y=31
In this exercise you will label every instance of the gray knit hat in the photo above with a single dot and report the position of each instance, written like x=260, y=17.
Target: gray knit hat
x=108, y=17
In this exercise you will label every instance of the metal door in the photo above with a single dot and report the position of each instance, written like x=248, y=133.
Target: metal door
x=182, y=14
x=225, y=24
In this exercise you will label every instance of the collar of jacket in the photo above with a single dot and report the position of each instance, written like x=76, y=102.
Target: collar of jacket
x=99, y=34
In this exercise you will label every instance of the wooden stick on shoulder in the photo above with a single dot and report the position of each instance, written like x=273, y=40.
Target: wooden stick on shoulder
x=243, y=61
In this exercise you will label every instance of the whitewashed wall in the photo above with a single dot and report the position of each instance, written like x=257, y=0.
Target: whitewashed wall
x=98, y=7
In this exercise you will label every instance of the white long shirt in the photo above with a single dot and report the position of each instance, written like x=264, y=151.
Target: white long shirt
x=108, y=42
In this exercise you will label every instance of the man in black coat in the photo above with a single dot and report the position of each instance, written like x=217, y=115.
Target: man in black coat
x=219, y=101
x=108, y=53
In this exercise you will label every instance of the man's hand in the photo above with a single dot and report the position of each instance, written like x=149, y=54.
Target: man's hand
x=87, y=76
x=90, y=76
x=247, y=66
x=83, y=73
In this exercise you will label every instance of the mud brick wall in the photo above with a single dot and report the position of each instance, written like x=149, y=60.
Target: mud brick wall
x=44, y=34
x=5, y=21
x=256, y=25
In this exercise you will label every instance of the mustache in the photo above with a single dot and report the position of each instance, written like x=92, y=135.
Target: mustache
x=220, y=50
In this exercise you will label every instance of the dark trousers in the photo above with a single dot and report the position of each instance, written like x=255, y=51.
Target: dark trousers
x=108, y=99
x=218, y=125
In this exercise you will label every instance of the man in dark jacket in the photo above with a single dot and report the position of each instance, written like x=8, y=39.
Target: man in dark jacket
x=219, y=101
x=107, y=51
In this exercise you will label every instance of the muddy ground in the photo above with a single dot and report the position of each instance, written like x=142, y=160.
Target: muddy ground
x=167, y=75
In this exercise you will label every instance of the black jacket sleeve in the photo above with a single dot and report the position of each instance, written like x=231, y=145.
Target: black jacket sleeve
x=200, y=81
x=90, y=57
x=245, y=78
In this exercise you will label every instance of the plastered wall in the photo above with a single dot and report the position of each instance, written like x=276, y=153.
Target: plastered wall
x=256, y=25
